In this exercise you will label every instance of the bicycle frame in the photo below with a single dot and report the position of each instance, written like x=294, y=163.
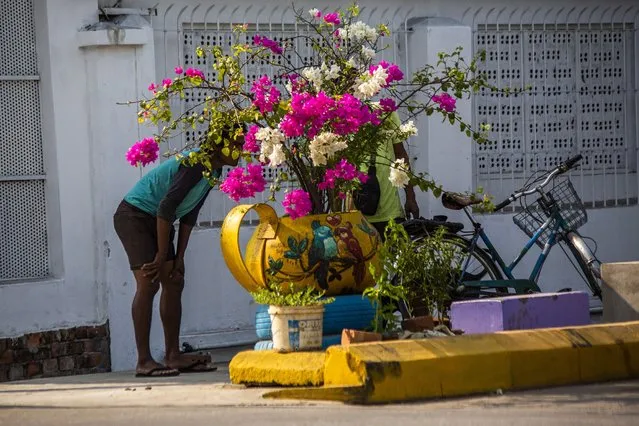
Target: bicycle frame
x=479, y=233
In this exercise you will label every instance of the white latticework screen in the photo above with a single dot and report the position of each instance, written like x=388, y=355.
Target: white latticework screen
x=23, y=245
x=580, y=100
x=222, y=36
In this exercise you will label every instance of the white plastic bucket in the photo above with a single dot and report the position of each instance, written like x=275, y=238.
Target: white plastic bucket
x=296, y=328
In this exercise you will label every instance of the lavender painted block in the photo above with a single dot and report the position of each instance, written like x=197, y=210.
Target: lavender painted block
x=521, y=312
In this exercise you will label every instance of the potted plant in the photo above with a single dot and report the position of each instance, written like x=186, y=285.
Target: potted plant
x=414, y=277
x=316, y=121
x=296, y=315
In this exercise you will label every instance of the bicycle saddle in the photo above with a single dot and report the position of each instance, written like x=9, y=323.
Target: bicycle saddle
x=454, y=201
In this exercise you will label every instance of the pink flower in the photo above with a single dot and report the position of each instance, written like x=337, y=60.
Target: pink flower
x=344, y=171
x=297, y=83
x=445, y=101
x=388, y=105
x=297, y=203
x=152, y=87
x=250, y=142
x=194, y=72
x=244, y=183
x=143, y=152
x=393, y=71
x=332, y=18
x=266, y=95
x=309, y=114
x=166, y=83
x=179, y=70
x=268, y=43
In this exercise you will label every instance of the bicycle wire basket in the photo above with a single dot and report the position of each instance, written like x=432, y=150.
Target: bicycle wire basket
x=571, y=209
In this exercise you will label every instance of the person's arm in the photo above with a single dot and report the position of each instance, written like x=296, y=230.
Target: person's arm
x=187, y=222
x=411, y=207
x=183, y=181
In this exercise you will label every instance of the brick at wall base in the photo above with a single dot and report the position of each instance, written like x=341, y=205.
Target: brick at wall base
x=65, y=352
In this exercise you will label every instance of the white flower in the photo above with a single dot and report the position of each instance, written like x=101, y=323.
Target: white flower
x=314, y=75
x=315, y=13
x=332, y=73
x=369, y=86
x=352, y=62
x=277, y=156
x=360, y=31
x=270, y=136
x=408, y=128
x=399, y=173
x=271, y=147
x=324, y=146
x=368, y=53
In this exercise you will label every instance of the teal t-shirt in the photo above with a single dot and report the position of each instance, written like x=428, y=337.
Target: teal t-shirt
x=148, y=193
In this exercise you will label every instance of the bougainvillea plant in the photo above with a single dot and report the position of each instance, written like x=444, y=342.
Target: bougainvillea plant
x=327, y=119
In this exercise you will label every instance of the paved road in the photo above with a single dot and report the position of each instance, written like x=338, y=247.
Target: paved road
x=204, y=399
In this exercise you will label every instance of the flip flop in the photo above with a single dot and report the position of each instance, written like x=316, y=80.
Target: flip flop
x=158, y=372
x=198, y=367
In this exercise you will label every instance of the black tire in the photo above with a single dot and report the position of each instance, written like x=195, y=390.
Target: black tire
x=347, y=311
x=591, y=272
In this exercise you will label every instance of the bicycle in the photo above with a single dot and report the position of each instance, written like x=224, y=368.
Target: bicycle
x=552, y=218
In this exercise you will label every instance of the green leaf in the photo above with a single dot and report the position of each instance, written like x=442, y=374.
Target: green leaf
x=292, y=243
x=303, y=245
x=226, y=151
x=291, y=255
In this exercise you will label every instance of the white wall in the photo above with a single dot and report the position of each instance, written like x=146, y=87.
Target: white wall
x=72, y=297
x=86, y=135
x=445, y=153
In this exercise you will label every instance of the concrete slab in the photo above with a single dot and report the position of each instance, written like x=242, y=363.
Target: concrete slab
x=620, y=291
x=394, y=371
x=521, y=312
x=271, y=368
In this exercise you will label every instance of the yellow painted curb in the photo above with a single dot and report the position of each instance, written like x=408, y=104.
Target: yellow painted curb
x=383, y=372
x=271, y=368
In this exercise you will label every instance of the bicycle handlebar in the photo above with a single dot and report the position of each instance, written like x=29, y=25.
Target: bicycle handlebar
x=561, y=168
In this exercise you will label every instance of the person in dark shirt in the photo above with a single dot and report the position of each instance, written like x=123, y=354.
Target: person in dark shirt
x=144, y=223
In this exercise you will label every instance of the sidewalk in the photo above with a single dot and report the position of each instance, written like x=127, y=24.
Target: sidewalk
x=207, y=399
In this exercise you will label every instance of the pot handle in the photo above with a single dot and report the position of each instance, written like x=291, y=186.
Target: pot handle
x=230, y=238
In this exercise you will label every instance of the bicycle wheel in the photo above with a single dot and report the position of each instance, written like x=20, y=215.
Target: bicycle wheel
x=480, y=267
x=588, y=263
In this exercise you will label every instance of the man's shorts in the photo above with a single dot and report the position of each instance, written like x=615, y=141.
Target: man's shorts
x=138, y=232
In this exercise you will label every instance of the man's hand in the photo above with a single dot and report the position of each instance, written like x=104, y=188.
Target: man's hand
x=411, y=208
x=177, y=274
x=154, y=268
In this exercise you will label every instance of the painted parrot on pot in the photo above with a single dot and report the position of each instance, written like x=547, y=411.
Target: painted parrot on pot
x=349, y=248
x=323, y=249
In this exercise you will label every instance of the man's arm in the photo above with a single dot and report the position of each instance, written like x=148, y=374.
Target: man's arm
x=187, y=222
x=411, y=207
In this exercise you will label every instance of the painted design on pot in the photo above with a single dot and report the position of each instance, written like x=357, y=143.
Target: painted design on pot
x=333, y=249
x=331, y=252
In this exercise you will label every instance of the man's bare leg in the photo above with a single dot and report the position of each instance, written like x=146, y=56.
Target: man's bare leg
x=171, y=314
x=142, y=312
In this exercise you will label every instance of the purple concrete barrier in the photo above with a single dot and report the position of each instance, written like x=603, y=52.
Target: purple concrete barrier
x=521, y=312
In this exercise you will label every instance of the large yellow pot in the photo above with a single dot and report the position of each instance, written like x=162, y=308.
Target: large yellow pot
x=330, y=251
